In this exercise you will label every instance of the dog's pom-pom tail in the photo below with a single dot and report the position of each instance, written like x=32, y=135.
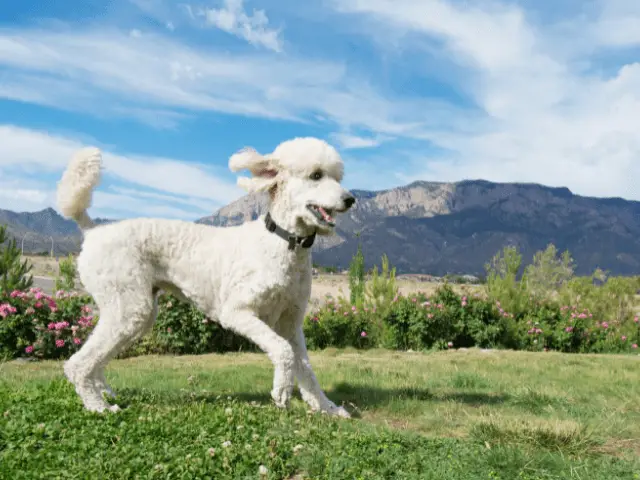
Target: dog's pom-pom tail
x=75, y=188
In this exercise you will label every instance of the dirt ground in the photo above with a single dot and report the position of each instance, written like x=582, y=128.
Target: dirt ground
x=43, y=266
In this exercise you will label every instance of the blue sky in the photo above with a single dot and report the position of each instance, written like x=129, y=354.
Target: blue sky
x=529, y=91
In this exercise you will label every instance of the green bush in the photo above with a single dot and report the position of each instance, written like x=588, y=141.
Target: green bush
x=66, y=279
x=14, y=273
x=182, y=329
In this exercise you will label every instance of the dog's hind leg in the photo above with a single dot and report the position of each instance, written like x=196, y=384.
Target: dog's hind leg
x=100, y=380
x=123, y=317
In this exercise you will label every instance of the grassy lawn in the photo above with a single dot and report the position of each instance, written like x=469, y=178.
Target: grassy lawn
x=448, y=415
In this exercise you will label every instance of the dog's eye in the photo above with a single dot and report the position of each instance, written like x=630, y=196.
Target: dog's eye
x=317, y=175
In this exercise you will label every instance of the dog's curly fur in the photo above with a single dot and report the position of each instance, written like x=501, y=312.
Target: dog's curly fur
x=243, y=277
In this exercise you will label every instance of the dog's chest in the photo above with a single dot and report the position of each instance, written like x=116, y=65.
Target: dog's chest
x=284, y=294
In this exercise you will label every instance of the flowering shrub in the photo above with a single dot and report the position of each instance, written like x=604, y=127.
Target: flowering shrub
x=450, y=320
x=33, y=323
x=340, y=324
x=182, y=329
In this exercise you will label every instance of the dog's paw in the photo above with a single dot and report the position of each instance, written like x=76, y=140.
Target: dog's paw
x=281, y=397
x=338, y=412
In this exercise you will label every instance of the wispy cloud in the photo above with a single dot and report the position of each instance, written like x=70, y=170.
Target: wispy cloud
x=543, y=117
x=192, y=189
x=93, y=71
x=232, y=18
x=348, y=141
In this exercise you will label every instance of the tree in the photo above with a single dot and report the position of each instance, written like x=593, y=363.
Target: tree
x=356, y=276
x=14, y=273
x=382, y=287
x=547, y=273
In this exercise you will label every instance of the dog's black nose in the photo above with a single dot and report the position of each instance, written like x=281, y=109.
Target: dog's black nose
x=348, y=200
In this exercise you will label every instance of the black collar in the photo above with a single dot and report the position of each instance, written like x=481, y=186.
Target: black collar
x=293, y=240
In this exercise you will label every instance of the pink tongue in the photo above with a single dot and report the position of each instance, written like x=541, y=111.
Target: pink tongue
x=325, y=215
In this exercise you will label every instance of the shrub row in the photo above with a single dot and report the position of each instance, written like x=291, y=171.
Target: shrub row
x=51, y=327
x=544, y=307
x=451, y=320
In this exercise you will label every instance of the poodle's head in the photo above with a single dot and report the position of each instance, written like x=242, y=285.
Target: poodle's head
x=303, y=178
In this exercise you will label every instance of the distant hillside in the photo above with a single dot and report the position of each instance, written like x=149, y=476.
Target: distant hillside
x=37, y=229
x=431, y=227
x=440, y=228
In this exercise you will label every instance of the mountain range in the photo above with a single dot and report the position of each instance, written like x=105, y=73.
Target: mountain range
x=432, y=227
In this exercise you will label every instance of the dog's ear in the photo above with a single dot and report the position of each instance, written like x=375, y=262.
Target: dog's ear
x=264, y=170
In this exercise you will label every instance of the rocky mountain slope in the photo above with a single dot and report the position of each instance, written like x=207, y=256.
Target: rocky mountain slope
x=430, y=227
x=36, y=230
x=440, y=228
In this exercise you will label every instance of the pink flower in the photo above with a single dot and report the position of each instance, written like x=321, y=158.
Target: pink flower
x=414, y=300
x=314, y=319
x=59, y=343
x=77, y=341
x=346, y=313
x=635, y=320
x=29, y=349
x=7, y=309
x=450, y=344
x=353, y=309
x=38, y=305
x=363, y=334
x=430, y=315
x=169, y=330
x=464, y=303
x=86, y=309
x=568, y=329
x=605, y=325
x=623, y=338
x=51, y=326
x=15, y=293
x=635, y=345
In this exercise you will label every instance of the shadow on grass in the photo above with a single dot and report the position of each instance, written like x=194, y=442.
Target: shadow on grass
x=370, y=396
x=360, y=396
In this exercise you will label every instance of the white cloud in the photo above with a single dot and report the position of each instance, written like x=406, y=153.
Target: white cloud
x=233, y=19
x=194, y=189
x=98, y=71
x=348, y=141
x=544, y=117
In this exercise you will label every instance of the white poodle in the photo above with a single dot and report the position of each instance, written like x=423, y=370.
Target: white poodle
x=254, y=279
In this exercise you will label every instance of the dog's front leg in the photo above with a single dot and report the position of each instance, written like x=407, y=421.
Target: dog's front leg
x=310, y=388
x=279, y=350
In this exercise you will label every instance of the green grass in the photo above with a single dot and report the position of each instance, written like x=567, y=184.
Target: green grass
x=449, y=415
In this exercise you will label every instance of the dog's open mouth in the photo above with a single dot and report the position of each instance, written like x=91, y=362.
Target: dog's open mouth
x=323, y=215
